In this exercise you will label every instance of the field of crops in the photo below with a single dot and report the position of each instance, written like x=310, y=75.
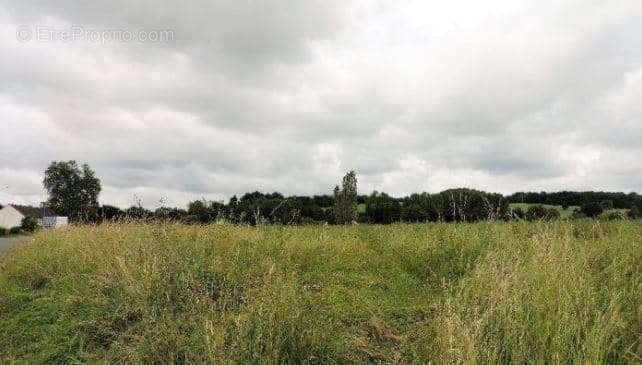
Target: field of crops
x=517, y=292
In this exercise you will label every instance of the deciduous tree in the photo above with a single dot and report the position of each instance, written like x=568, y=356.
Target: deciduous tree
x=345, y=199
x=73, y=190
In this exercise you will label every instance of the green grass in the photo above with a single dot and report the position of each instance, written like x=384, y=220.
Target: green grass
x=623, y=212
x=568, y=212
x=564, y=213
x=557, y=292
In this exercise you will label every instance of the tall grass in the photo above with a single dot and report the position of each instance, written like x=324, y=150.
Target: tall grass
x=559, y=292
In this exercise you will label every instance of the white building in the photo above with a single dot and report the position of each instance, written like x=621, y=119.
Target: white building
x=12, y=216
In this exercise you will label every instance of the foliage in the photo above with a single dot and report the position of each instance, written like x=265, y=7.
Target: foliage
x=634, y=212
x=539, y=212
x=109, y=212
x=15, y=230
x=564, y=212
x=29, y=224
x=73, y=190
x=579, y=215
x=381, y=208
x=345, y=199
x=613, y=215
x=468, y=205
x=518, y=213
x=202, y=211
x=608, y=200
x=137, y=212
x=3, y=231
x=460, y=205
x=517, y=292
x=592, y=210
x=453, y=205
x=174, y=214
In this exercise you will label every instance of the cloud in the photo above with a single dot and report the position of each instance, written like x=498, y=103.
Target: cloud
x=424, y=95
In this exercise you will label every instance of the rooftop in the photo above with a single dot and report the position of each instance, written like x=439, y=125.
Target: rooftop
x=34, y=212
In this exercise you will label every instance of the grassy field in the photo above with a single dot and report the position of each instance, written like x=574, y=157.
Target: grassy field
x=7, y=242
x=558, y=292
x=568, y=212
x=564, y=213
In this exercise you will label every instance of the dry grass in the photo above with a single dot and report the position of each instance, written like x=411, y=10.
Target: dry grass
x=561, y=292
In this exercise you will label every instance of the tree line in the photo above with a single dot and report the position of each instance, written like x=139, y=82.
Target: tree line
x=574, y=198
x=73, y=191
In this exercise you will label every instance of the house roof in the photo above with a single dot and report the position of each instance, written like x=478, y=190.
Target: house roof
x=33, y=212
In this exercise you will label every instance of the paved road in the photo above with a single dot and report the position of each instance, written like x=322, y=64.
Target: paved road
x=7, y=242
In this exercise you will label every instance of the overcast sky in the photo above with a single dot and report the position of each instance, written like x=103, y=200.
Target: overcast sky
x=280, y=95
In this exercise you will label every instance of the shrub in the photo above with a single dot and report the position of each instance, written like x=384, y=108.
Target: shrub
x=578, y=215
x=29, y=224
x=191, y=219
x=634, y=213
x=613, y=216
x=552, y=213
x=592, y=210
x=3, y=231
x=537, y=212
x=518, y=213
x=15, y=230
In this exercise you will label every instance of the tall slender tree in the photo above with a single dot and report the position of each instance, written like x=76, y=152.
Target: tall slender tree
x=345, y=199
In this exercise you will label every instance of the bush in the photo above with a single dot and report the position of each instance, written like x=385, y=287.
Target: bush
x=3, y=231
x=613, y=216
x=29, y=224
x=537, y=212
x=578, y=215
x=15, y=230
x=592, y=210
x=518, y=213
x=191, y=219
x=552, y=213
x=634, y=213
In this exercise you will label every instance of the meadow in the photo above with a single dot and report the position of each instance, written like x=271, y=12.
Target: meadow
x=506, y=292
x=564, y=213
x=567, y=213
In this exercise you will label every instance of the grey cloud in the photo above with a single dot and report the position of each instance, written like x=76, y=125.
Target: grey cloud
x=238, y=35
x=274, y=96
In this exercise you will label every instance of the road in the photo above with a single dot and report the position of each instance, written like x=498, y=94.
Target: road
x=7, y=242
